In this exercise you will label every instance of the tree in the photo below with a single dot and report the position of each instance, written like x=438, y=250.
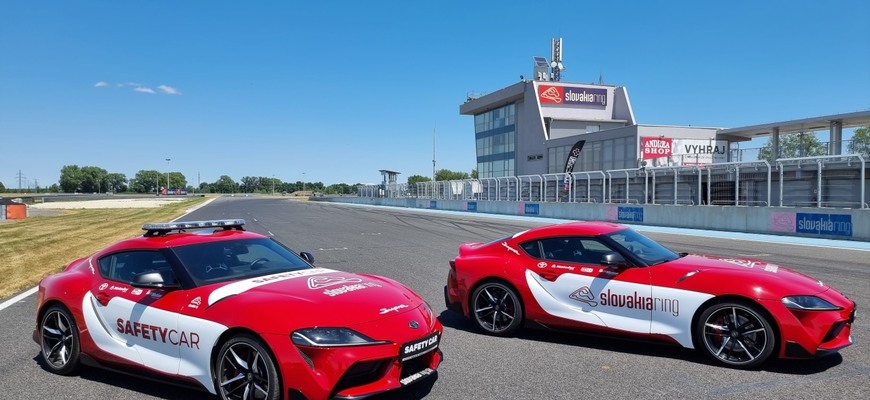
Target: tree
x=860, y=143
x=413, y=180
x=145, y=181
x=448, y=175
x=249, y=184
x=177, y=180
x=2, y=188
x=70, y=178
x=794, y=145
x=116, y=182
x=93, y=179
x=225, y=184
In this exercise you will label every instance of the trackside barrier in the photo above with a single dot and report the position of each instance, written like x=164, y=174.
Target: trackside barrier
x=822, y=182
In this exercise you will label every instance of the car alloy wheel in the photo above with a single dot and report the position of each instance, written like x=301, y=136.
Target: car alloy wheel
x=496, y=308
x=736, y=335
x=60, y=340
x=246, y=371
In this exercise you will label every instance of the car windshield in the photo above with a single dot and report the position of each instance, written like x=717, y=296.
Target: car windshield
x=643, y=247
x=237, y=259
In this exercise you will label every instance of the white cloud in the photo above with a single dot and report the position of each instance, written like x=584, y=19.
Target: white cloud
x=101, y=84
x=168, y=89
x=143, y=89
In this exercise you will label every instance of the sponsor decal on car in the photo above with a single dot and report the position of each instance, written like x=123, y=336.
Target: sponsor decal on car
x=584, y=294
x=239, y=287
x=119, y=288
x=559, y=266
x=542, y=264
x=317, y=282
x=753, y=264
x=136, y=292
x=350, y=288
x=394, y=308
x=158, y=334
x=509, y=248
x=416, y=376
x=419, y=347
x=195, y=303
x=104, y=285
x=636, y=301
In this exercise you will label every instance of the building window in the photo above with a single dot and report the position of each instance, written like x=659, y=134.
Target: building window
x=495, y=135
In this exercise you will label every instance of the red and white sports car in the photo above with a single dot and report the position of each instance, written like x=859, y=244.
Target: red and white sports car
x=235, y=313
x=607, y=278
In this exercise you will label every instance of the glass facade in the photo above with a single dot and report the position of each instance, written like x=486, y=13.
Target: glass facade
x=602, y=155
x=495, y=135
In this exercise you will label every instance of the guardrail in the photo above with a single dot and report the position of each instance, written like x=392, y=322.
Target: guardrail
x=838, y=181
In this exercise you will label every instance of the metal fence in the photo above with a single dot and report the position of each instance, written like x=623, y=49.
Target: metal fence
x=838, y=181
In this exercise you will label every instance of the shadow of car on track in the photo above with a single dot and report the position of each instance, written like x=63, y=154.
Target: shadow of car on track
x=166, y=389
x=452, y=319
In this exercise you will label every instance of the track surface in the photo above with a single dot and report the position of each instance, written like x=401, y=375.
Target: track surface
x=414, y=246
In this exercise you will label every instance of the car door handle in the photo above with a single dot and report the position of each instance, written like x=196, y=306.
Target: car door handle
x=103, y=298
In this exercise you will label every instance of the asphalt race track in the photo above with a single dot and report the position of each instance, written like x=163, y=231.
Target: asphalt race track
x=414, y=246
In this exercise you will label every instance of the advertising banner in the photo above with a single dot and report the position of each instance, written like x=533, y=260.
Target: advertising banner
x=573, y=155
x=663, y=151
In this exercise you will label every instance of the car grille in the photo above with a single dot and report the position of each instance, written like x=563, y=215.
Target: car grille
x=834, y=331
x=361, y=373
x=413, y=366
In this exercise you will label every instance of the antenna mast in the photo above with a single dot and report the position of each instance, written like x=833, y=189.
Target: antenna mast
x=556, y=66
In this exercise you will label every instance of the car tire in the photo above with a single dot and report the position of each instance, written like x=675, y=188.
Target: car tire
x=59, y=340
x=735, y=334
x=245, y=369
x=495, y=308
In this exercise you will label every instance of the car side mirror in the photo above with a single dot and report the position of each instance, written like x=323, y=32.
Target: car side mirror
x=307, y=257
x=153, y=280
x=613, y=259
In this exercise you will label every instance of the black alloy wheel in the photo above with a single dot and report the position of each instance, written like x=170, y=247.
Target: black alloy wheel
x=60, y=347
x=246, y=371
x=735, y=335
x=496, y=308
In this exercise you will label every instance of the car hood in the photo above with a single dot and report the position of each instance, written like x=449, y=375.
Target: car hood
x=322, y=294
x=725, y=271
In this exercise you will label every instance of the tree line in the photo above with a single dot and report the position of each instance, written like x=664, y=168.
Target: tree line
x=91, y=179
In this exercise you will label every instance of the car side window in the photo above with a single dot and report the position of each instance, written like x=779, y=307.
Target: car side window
x=574, y=250
x=532, y=248
x=124, y=267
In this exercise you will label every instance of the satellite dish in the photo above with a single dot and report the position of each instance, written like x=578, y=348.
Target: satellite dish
x=553, y=64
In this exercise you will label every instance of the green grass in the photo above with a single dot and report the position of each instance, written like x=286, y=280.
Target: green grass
x=35, y=247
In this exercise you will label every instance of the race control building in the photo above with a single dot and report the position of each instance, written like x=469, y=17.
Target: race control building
x=528, y=128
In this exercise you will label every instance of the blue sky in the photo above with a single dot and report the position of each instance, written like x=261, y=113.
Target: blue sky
x=334, y=91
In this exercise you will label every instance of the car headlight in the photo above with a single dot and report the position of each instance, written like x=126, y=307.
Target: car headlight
x=811, y=303
x=331, y=337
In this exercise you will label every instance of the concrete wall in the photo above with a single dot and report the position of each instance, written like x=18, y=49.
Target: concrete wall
x=843, y=224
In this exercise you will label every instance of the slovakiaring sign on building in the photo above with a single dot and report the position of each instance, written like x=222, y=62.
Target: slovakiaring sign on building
x=572, y=95
x=669, y=151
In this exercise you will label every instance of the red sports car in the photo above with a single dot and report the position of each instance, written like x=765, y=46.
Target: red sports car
x=235, y=313
x=607, y=278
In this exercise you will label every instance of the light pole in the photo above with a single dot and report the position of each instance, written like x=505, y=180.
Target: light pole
x=168, y=166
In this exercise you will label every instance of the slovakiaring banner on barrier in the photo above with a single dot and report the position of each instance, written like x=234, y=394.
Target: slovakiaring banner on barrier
x=573, y=155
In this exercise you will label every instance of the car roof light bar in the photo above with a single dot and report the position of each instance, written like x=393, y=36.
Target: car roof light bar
x=162, y=228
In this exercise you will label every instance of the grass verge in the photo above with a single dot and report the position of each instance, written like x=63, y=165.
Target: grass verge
x=35, y=247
